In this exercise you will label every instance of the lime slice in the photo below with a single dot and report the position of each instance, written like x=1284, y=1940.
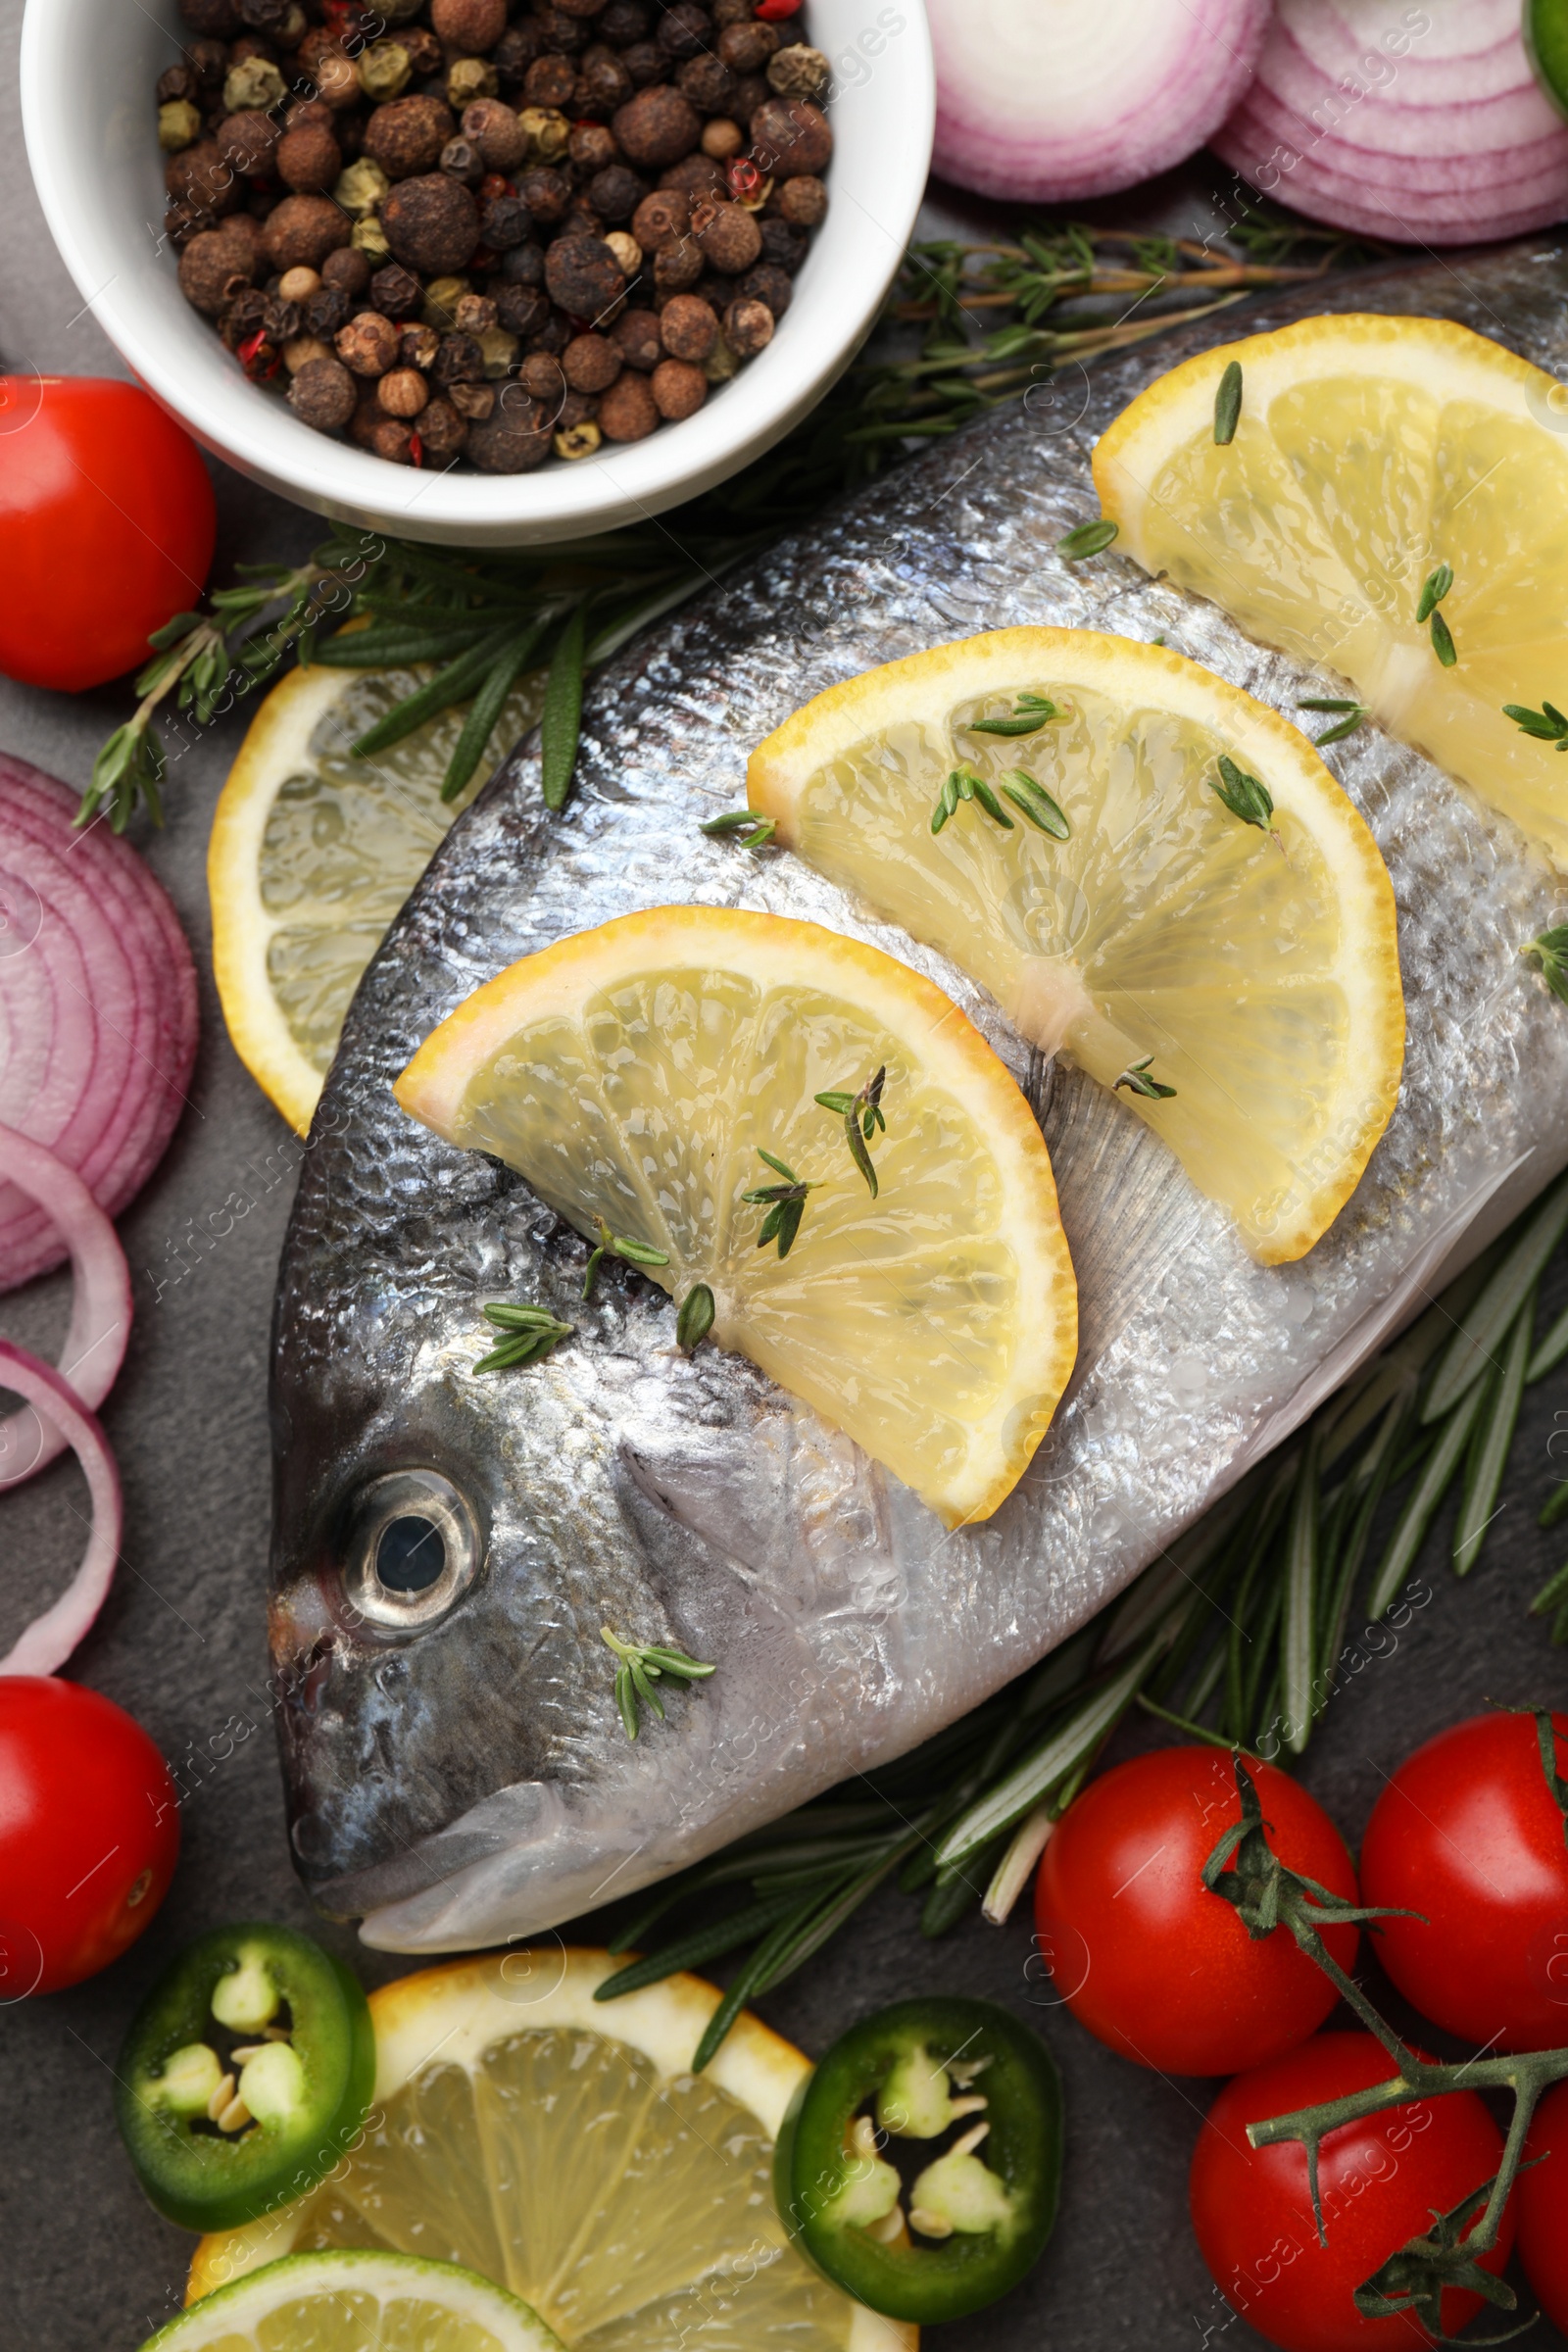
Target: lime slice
x=357, y=2299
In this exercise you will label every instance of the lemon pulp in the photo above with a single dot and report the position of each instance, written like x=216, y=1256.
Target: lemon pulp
x=1252, y=969
x=1371, y=451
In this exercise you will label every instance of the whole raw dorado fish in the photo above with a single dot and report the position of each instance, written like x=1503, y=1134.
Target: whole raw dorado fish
x=456, y=1769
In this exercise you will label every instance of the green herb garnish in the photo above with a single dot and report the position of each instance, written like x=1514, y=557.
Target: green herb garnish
x=752, y=832
x=1035, y=803
x=1030, y=713
x=617, y=1245
x=1242, y=794
x=696, y=1318
x=1434, y=589
x=1352, y=714
x=965, y=785
x=642, y=1665
x=1228, y=404
x=1089, y=539
x=861, y=1114
x=533, y=1332
x=1547, y=724
x=1135, y=1077
x=1442, y=644
x=1549, y=955
x=785, y=1204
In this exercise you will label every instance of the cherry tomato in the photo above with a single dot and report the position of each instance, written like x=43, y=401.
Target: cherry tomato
x=90, y=1828
x=1541, y=2204
x=1381, y=2181
x=107, y=524
x=1469, y=1834
x=1141, y=1951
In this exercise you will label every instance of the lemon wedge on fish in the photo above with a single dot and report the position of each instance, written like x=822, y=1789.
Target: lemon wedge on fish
x=663, y=1071
x=357, y=2301
x=1149, y=870
x=312, y=853
x=1370, y=455
x=562, y=2147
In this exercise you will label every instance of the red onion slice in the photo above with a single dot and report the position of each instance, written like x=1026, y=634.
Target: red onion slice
x=1423, y=125
x=50, y=1639
x=1051, y=100
x=100, y=1307
x=97, y=1009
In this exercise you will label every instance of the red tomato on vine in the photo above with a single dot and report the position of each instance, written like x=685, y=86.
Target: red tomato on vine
x=1542, y=2199
x=1382, y=2178
x=1469, y=1834
x=1140, y=1950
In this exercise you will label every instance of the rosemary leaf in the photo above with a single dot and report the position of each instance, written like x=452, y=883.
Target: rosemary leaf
x=1228, y=404
x=701, y=1945
x=958, y=1893
x=486, y=710
x=1555, y=1508
x=454, y=684
x=561, y=721
x=1299, y=1652
x=1488, y=1450
x=1479, y=1339
x=1423, y=1503
x=1553, y=1594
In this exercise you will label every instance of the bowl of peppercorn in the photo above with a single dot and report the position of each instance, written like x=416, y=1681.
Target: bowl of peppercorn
x=482, y=272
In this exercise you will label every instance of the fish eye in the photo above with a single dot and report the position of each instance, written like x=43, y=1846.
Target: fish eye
x=412, y=1550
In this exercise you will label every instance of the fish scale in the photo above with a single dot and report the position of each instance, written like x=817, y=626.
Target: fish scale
x=469, y=1781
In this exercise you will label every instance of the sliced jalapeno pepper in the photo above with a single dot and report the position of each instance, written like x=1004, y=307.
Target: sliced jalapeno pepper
x=975, y=2216
x=246, y=2074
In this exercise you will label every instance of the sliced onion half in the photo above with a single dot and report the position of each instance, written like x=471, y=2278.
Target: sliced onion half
x=50, y=1639
x=1047, y=101
x=100, y=1308
x=1424, y=125
x=97, y=1009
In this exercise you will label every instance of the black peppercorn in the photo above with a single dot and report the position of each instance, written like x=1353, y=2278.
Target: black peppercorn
x=460, y=361
x=406, y=136
x=657, y=127
x=583, y=276
x=553, y=336
x=213, y=19
x=280, y=320
x=767, y=283
x=561, y=34
x=545, y=193
x=516, y=52
x=178, y=82
x=243, y=317
x=325, y=313
x=785, y=247
x=685, y=31
x=623, y=22
x=431, y=224
x=208, y=61
x=515, y=436
x=505, y=222
x=395, y=291
x=549, y=81
x=521, y=310
x=645, y=62
x=523, y=265
x=616, y=192
x=602, y=85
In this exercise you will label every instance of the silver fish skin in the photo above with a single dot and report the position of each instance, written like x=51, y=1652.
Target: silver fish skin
x=468, y=1779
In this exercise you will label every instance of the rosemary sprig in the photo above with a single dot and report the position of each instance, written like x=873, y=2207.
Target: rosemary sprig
x=785, y=1204
x=1242, y=794
x=642, y=1665
x=743, y=825
x=1030, y=712
x=533, y=1332
x=1352, y=716
x=1137, y=1080
x=861, y=1114
x=964, y=784
x=617, y=1245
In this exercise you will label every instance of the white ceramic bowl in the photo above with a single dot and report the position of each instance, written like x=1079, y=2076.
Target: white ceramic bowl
x=87, y=72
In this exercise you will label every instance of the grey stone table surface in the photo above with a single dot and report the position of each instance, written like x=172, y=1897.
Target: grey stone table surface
x=84, y=2264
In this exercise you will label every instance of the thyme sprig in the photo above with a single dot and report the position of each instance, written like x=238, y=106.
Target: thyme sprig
x=785, y=1204
x=743, y=825
x=1547, y=724
x=1434, y=588
x=534, y=1331
x=642, y=1665
x=1228, y=404
x=696, y=1318
x=1031, y=799
x=966, y=784
x=1266, y=1894
x=1243, y=795
x=1030, y=712
x=863, y=1116
x=1137, y=1080
x=617, y=1245
x=1352, y=714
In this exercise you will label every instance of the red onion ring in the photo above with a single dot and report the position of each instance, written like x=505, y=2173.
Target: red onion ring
x=1420, y=124
x=48, y=1641
x=97, y=1009
x=94, y=1346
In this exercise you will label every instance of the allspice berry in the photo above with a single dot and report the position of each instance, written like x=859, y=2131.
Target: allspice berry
x=543, y=379
x=697, y=176
x=468, y=25
x=309, y=160
x=346, y=271
x=657, y=128
x=301, y=232
x=803, y=201
x=688, y=327
x=746, y=48
x=636, y=336
x=200, y=178
x=403, y=392
x=710, y=86
x=591, y=363
x=583, y=276
x=431, y=224
x=768, y=285
x=213, y=269
x=442, y=430
x=369, y=344
x=628, y=410
x=660, y=220
x=550, y=82
x=512, y=439
x=728, y=236
x=800, y=72
x=790, y=135
x=748, y=327
x=492, y=126
x=678, y=388
x=677, y=268
x=407, y=135
x=616, y=192
x=323, y=394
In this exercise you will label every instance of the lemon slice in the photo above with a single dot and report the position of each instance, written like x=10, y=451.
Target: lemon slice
x=312, y=853
x=357, y=2301
x=637, y=1073
x=1371, y=452
x=563, y=2146
x=1248, y=970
